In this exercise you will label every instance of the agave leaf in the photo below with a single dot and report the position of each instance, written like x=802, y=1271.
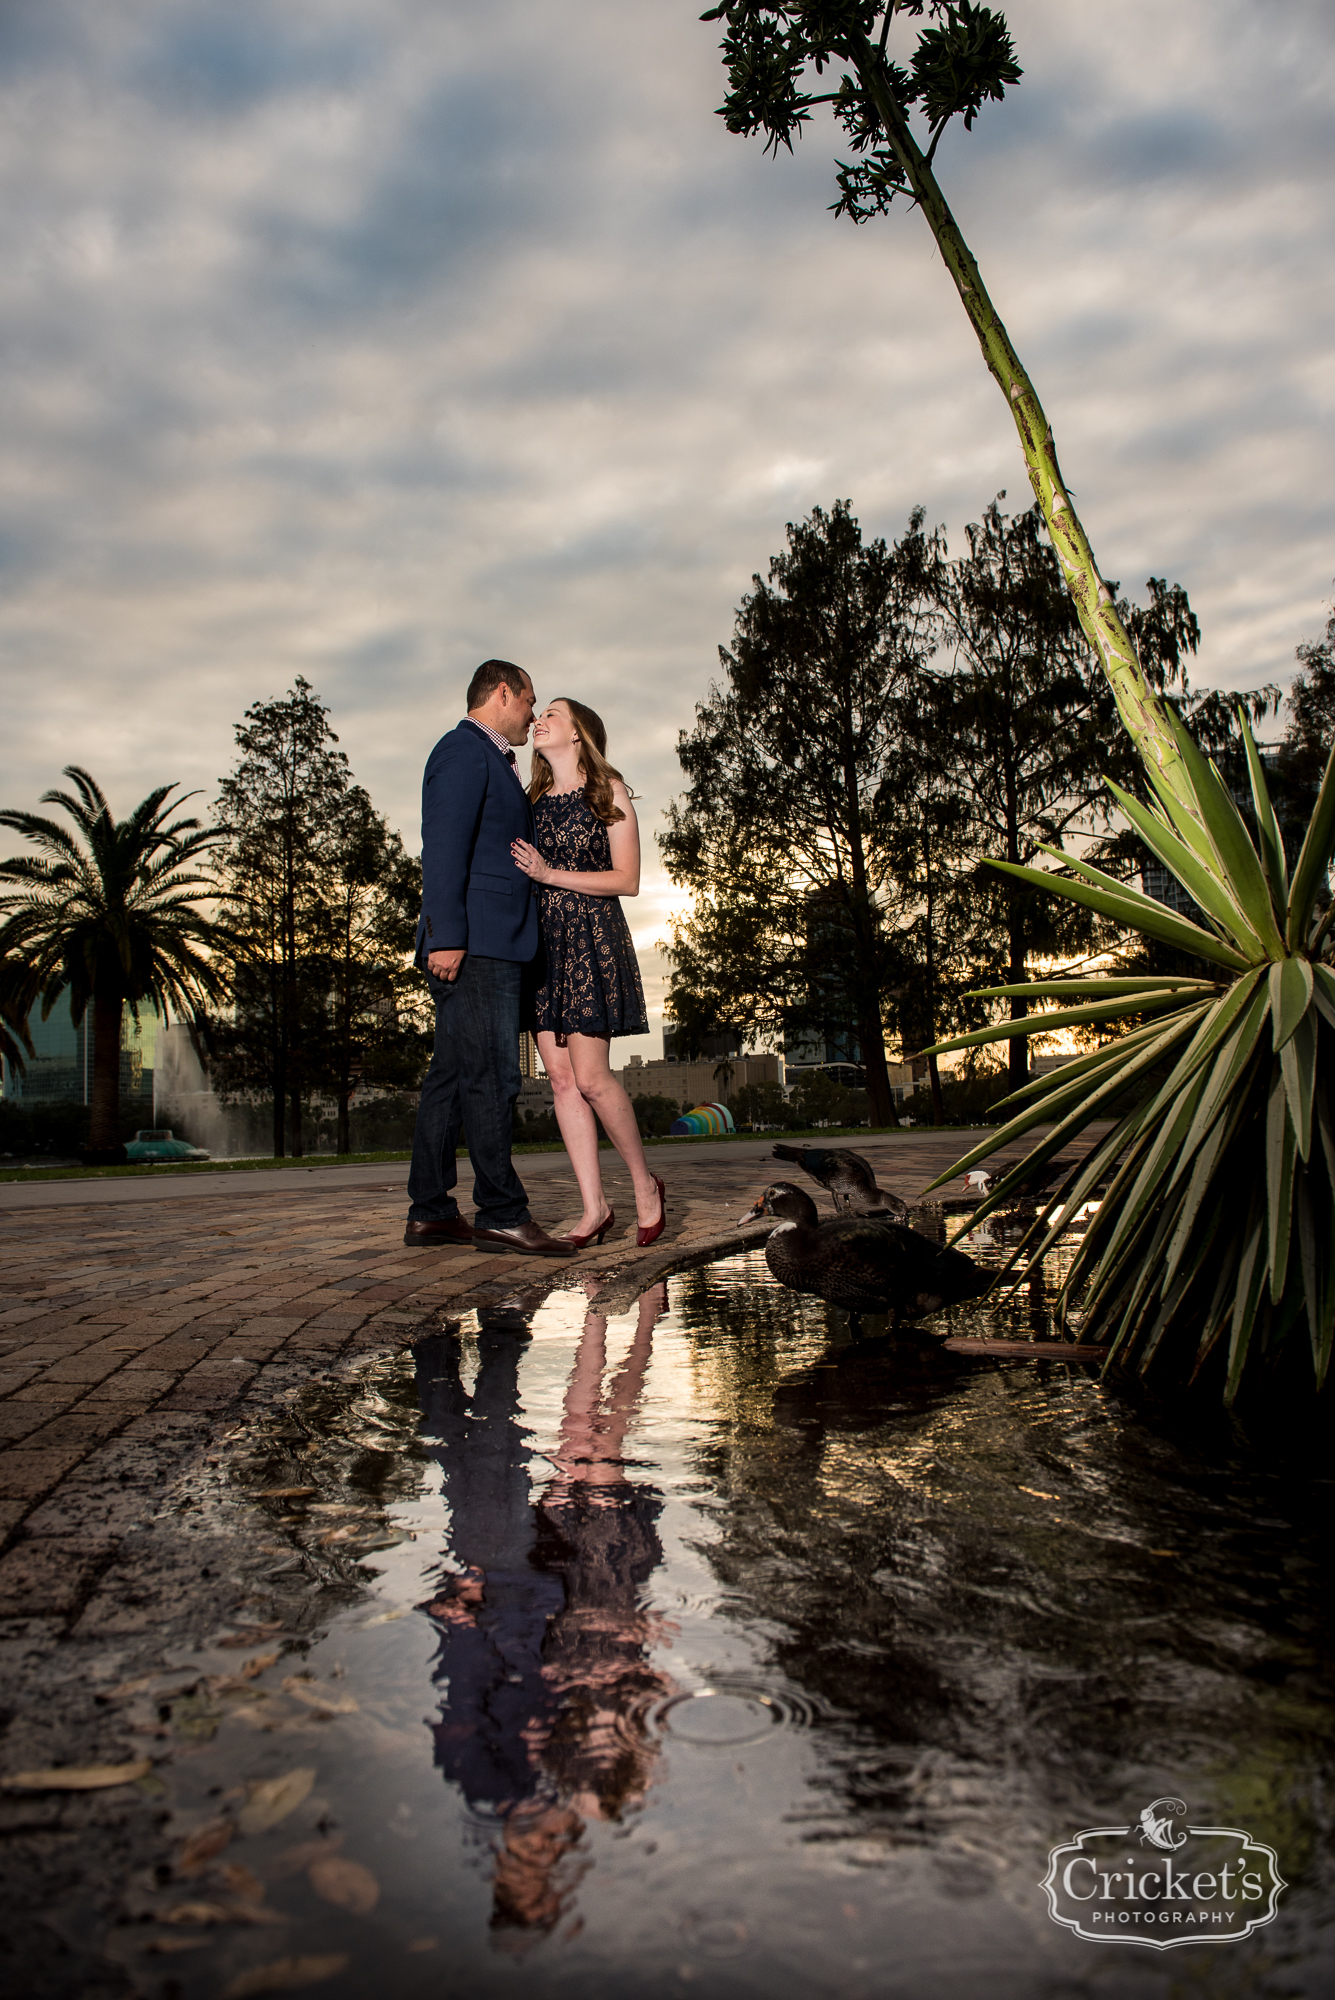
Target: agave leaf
x=1322, y=1337
x=1184, y=815
x=1087, y=1264
x=1092, y=1264
x=1075, y=1190
x=1310, y=1264
x=1323, y=992
x=1176, y=1289
x=1298, y=1067
x=1217, y=1024
x=1327, y=1131
x=1046, y=1149
x=1246, y=1302
x=1059, y=989
x=1082, y=1067
x=1127, y=908
x=1216, y=1319
x=1291, y=986
x=1208, y=887
x=1236, y=1050
x=1148, y=1051
x=1207, y=1152
x=1154, y=1180
x=1310, y=870
x=1280, y=1153
x=1239, y=862
x=1147, y=1269
x=1272, y=841
x=1060, y=1017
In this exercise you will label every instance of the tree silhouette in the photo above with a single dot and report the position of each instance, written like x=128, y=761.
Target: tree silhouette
x=776, y=833
x=109, y=914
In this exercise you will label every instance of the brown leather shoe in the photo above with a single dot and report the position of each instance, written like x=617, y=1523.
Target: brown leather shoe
x=436, y=1235
x=527, y=1239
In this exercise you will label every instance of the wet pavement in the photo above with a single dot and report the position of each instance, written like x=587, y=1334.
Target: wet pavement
x=133, y=1324
x=691, y=1648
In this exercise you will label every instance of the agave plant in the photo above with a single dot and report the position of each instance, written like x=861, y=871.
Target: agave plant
x=1220, y=1196
x=1222, y=1209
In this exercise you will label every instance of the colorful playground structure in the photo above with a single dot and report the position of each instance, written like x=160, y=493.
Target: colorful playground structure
x=703, y=1122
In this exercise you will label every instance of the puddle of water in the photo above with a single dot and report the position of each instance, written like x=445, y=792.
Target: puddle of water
x=705, y=1651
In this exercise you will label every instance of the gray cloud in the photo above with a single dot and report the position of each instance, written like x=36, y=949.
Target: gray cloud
x=364, y=338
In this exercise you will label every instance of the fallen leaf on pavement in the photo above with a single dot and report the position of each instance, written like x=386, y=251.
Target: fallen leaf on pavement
x=387, y=1617
x=295, y=1860
x=272, y=1799
x=319, y=1696
x=345, y=1883
x=242, y=1883
x=79, y=1777
x=219, y=1913
x=249, y=1635
x=259, y=1665
x=285, y=1975
x=166, y=1688
x=203, y=1845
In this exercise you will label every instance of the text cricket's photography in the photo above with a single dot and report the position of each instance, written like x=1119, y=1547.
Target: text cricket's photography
x=667, y=1000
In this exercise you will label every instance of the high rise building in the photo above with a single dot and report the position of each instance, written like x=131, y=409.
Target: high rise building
x=61, y=1070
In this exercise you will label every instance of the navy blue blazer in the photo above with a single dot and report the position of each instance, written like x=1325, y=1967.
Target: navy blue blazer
x=473, y=896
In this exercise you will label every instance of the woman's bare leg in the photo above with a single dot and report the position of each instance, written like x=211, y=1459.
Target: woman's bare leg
x=578, y=1130
x=602, y=1093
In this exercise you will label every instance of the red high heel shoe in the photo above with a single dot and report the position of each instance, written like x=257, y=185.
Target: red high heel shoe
x=594, y=1235
x=648, y=1233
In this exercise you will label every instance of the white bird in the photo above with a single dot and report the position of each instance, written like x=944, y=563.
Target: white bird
x=977, y=1180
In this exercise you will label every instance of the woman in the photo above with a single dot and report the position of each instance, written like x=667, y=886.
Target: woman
x=587, y=854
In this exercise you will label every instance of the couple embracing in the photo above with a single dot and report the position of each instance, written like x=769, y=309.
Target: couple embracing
x=521, y=928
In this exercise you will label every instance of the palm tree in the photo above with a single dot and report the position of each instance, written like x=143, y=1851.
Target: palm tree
x=110, y=919
x=15, y=1000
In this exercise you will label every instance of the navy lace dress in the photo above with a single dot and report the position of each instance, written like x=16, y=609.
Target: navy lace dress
x=590, y=980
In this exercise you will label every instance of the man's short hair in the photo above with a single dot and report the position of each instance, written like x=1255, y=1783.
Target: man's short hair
x=491, y=675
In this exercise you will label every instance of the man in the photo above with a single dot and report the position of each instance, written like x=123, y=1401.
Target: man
x=477, y=935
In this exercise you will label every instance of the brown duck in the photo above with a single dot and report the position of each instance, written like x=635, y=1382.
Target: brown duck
x=861, y=1262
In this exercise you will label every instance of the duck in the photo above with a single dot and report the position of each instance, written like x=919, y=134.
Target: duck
x=849, y=1178
x=862, y=1262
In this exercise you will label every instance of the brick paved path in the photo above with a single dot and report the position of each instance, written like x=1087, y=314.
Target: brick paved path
x=132, y=1325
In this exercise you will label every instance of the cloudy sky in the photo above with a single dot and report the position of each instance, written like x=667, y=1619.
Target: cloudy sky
x=364, y=338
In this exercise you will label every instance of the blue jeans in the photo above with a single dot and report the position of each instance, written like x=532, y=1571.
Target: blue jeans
x=472, y=1084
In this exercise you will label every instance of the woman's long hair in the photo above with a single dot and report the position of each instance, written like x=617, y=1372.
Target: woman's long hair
x=598, y=773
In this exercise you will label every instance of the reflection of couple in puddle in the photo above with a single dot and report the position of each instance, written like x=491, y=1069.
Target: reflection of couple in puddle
x=544, y=1642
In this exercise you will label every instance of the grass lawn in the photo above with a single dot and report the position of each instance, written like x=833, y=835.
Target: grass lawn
x=320, y=1161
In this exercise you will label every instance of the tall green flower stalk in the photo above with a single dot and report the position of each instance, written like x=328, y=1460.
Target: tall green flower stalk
x=1220, y=1215
x=957, y=64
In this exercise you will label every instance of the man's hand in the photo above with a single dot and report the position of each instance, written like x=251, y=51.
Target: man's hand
x=445, y=964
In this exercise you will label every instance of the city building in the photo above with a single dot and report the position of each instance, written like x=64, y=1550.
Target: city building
x=61, y=1070
x=706, y=1081
x=727, y=1042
